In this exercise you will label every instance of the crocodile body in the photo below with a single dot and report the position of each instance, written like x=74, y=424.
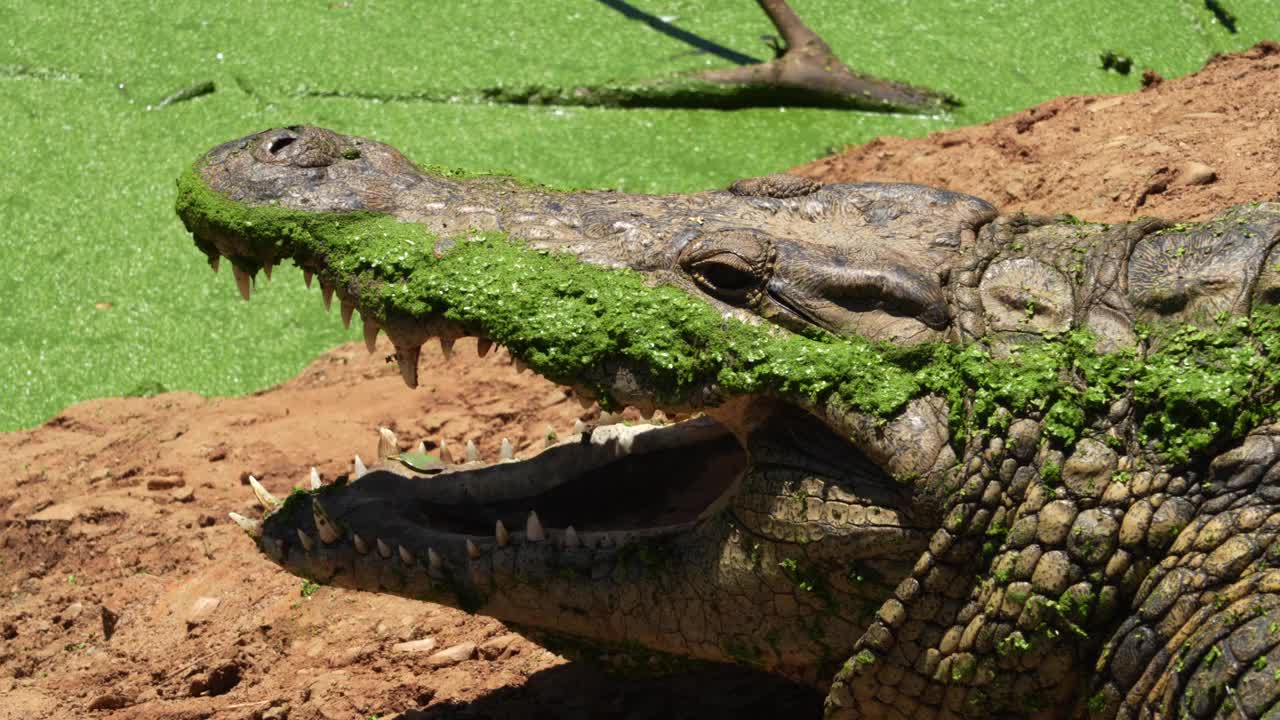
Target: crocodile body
x=944, y=462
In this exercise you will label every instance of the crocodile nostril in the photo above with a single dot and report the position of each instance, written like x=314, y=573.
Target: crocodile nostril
x=281, y=143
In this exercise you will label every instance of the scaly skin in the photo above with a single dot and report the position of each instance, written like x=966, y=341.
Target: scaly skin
x=907, y=527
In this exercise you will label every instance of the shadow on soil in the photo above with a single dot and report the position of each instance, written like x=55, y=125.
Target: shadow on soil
x=577, y=691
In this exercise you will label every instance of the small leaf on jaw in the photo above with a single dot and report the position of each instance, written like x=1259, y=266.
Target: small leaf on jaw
x=422, y=462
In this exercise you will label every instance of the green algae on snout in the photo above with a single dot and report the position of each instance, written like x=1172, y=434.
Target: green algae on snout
x=570, y=320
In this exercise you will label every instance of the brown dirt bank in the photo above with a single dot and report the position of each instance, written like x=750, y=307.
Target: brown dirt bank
x=1181, y=149
x=121, y=503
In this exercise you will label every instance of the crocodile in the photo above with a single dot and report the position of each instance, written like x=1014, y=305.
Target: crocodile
x=938, y=461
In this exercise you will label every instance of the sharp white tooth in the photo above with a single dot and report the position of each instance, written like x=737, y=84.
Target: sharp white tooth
x=421, y=447
x=326, y=293
x=406, y=557
x=267, y=267
x=473, y=455
x=370, y=334
x=506, y=452
x=549, y=437
x=265, y=499
x=434, y=560
x=473, y=552
x=305, y=539
x=243, y=281
x=446, y=455
x=361, y=546
x=383, y=550
x=359, y=468
x=533, y=528
x=324, y=528
x=407, y=359
x=253, y=527
x=501, y=535
x=446, y=347
x=388, y=444
x=315, y=480
x=306, y=278
x=216, y=262
x=483, y=345
x=570, y=537
x=347, y=309
x=579, y=427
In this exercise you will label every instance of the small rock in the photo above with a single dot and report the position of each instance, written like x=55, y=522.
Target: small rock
x=454, y=655
x=1194, y=173
x=54, y=513
x=9, y=631
x=68, y=616
x=184, y=495
x=207, y=520
x=415, y=646
x=110, y=701
x=494, y=648
x=279, y=712
x=109, y=620
x=215, y=454
x=165, y=483
x=201, y=609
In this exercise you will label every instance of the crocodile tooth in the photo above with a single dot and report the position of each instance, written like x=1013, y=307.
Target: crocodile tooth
x=266, y=499
x=407, y=359
x=388, y=444
x=446, y=347
x=570, y=537
x=326, y=293
x=370, y=335
x=306, y=540
x=533, y=528
x=579, y=427
x=267, y=267
x=383, y=550
x=347, y=309
x=315, y=480
x=473, y=552
x=501, y=534
x=359, y=468
x=506, y=452
x=658, y=417
x=243, y=282
x=421, y=447
x=549, y=437
x=361, y=546
x=483, y=345
x=324, y=527
x=446, y=455
x=473, y=455
x=434, y=560
x=215, y=262
x=306, y=278
x=253, y=527
x=406, y=557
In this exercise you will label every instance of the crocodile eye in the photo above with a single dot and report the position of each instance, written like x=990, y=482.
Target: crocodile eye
x=724, y=274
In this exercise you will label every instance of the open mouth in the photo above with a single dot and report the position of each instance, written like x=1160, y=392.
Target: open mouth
x=598, y=487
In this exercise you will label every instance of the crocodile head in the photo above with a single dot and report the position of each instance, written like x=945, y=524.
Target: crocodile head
x=868, y=376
